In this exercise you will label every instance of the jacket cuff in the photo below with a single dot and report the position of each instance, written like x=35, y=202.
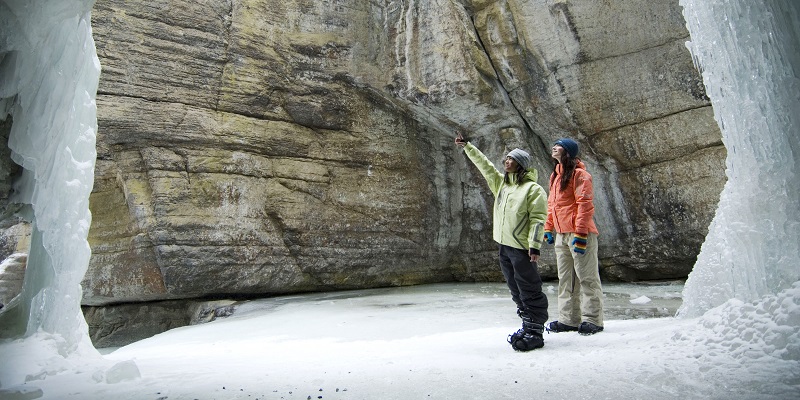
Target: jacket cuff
x=534, y=251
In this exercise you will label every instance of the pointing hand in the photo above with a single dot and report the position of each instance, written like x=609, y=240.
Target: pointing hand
x=460, y=140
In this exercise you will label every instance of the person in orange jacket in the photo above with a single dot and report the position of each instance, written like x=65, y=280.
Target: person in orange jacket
x=571, y=229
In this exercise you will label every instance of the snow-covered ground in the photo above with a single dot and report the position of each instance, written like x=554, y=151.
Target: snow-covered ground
x=447, y=342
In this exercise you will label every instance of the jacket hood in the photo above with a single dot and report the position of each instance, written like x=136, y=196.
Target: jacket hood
x=531, y=175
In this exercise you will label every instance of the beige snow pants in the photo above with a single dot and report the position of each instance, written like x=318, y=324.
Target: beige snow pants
x=580, y=294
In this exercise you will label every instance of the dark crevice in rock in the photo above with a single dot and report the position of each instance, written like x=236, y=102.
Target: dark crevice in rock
x=157, y=100
x=563, y=9
x=499, y=81
x=186, y=170
x=670, y=160
x=284, y=232
x=617, y=127
x=313, y=127
x=488, y=56
x=667, y=42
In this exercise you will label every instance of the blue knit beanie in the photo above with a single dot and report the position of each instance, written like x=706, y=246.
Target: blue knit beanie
x=570, y=146
x=521, y=157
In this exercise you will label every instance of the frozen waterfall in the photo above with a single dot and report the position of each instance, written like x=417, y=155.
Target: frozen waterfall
x=48, y=81
x=748, y=53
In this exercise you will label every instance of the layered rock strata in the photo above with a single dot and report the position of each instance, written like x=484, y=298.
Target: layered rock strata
x=254, y=147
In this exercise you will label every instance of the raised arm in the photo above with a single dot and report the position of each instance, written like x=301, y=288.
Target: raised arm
x=494, y=178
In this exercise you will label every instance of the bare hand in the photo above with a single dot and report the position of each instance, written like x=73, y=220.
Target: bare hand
x=533, y=255
x=460, y=140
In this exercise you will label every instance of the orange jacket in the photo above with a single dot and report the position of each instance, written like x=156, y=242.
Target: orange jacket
x=571, y=210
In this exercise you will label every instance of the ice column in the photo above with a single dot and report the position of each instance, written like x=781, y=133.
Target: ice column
x=49, y=73
x=747, y=51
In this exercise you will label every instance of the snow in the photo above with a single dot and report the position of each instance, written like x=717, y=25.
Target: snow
x=640, y=300
x=737, y=335
x=449, y=341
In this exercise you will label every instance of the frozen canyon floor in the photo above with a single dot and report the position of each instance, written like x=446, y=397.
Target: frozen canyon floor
x=445, y=341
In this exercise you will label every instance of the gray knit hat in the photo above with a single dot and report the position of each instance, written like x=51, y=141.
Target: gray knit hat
x=521, y=157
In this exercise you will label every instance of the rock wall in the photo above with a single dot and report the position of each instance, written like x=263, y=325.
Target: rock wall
x=262, y=147
x=617, y=76
x=12, y=273
x=258, y=147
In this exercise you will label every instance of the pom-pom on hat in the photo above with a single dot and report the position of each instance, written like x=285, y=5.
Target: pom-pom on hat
x=570, y=146
x=521, y=157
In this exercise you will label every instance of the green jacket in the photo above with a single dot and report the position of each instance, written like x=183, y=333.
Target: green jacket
x=519, y=210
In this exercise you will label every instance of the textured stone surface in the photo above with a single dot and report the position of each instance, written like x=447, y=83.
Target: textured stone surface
x=12, y=272
x=7, y=166
x=616, y=76
x=122, y=324
x=14, y=232
x=256, y=147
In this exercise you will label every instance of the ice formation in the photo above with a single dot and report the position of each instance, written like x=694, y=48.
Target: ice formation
x=49, y=73
x=748, y=53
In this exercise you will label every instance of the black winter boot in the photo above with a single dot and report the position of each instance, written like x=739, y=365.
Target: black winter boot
x=588, y=328
x=521, y=331
x=556, y=327
x=530, y=337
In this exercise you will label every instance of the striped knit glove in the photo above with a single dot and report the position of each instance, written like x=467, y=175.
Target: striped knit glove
x=548, y=237
x=579, y=242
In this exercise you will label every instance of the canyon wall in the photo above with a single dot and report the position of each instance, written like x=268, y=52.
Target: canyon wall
x=256, y=147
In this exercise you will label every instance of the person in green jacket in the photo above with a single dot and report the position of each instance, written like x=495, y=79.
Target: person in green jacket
x=520, y=211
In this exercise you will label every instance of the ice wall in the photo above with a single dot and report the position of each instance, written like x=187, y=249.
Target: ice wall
x=49, y=73
x=747, y=51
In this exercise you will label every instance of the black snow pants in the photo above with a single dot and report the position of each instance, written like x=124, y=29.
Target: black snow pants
x=524, y=282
